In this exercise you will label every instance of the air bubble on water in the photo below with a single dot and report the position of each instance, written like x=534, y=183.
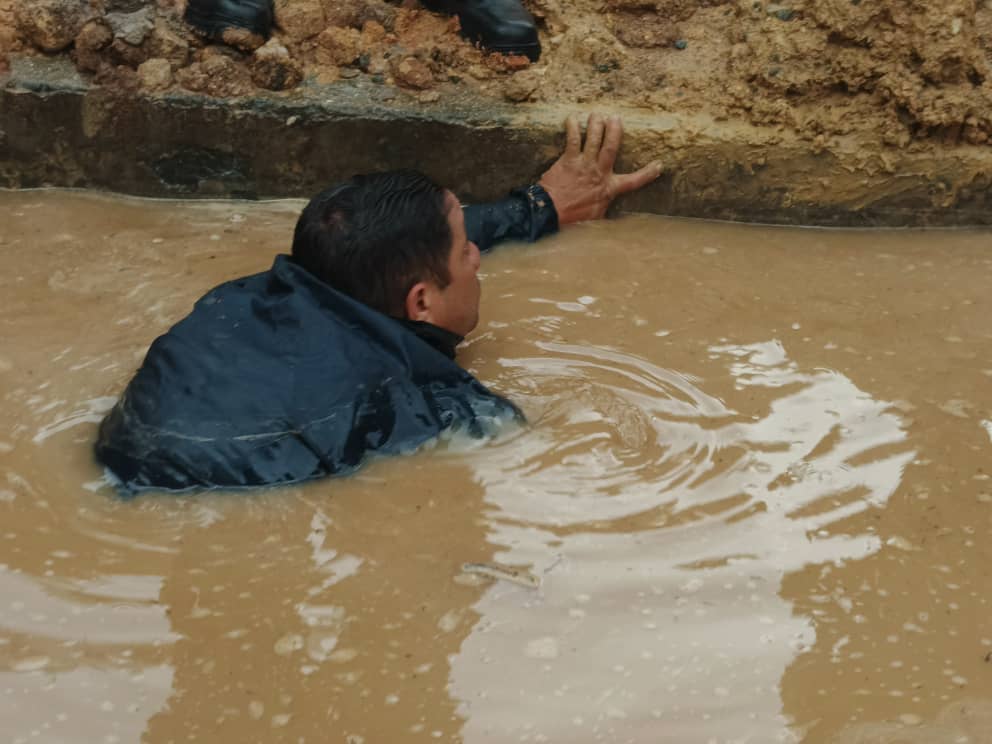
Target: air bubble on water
x=987, y=425
x=31, y=664
x=449, y=621
x=692, y=586
x=542, y=648
x=288, y=644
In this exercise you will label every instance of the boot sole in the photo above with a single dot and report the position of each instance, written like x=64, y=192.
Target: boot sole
x=531, y=50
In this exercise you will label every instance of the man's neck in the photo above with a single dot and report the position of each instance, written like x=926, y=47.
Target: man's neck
x=441, y=339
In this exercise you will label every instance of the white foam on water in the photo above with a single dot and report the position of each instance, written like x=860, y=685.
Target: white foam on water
x=89, y=411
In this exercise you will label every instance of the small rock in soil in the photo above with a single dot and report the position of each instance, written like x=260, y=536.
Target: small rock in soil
x=521, y=86
x=164, y=42
x=372, y=33
x=645, y=30
x=8, y=40
x=122, y=53
x=117, y=81
x=345, y=13
x=782, y=12
x=681, y=44
x=94, y=37
x=429, y=96
x=132, y=28
x=51, y=25
x=338, y=46
x=481, y=72
x=355, y=13
x=155, y=74
x=597, y=48
x=216, y=74
x=242, y=38
x=514, y=62
x=413, y=73
x=300, y=19
x=272, y=67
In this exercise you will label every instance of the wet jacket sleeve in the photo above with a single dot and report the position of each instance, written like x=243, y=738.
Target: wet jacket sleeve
x=526, y=214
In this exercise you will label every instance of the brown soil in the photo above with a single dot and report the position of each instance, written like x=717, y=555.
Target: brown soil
x=900, y=71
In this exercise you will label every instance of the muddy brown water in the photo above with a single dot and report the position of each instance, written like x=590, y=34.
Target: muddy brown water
x=755, y=486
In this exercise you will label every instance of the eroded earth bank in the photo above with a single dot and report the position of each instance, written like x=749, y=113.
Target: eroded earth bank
x=830, y=111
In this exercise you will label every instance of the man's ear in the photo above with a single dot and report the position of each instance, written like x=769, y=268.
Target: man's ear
x=418, y=302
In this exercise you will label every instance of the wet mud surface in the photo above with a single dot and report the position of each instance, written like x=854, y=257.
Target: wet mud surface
x=755, y=489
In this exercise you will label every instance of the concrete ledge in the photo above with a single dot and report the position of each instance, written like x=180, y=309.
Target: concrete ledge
x=57, y=130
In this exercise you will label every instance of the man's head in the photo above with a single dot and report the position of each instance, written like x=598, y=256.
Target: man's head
x=396, y=242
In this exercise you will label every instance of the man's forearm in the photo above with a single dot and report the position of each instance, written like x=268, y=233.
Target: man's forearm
x=526, y=214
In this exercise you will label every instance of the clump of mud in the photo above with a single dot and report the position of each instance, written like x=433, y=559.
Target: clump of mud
x=898, y=71
x=920, y=69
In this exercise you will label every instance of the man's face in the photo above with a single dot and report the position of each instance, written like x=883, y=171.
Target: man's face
x=456, y=307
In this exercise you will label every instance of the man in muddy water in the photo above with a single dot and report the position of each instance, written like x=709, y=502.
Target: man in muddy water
x=345, y=348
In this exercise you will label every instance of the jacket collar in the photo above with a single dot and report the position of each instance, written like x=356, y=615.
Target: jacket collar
x=443, y=340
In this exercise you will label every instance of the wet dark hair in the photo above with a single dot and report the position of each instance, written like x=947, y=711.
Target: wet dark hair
x=374, y=236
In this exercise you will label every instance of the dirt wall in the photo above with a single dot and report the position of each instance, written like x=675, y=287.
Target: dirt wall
x=860, y=103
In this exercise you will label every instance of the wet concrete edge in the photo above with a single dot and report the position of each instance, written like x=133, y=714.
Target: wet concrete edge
x=58, y=130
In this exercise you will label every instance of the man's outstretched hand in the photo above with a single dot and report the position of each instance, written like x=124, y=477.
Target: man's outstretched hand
x=582, y=183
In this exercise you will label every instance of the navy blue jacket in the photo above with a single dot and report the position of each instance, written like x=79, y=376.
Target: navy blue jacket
x=278, y=378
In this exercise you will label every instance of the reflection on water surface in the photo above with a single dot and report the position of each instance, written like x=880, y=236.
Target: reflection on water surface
x=755, y=488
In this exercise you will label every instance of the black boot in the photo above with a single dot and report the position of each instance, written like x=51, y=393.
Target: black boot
x=502, y=26
x=212, y=17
